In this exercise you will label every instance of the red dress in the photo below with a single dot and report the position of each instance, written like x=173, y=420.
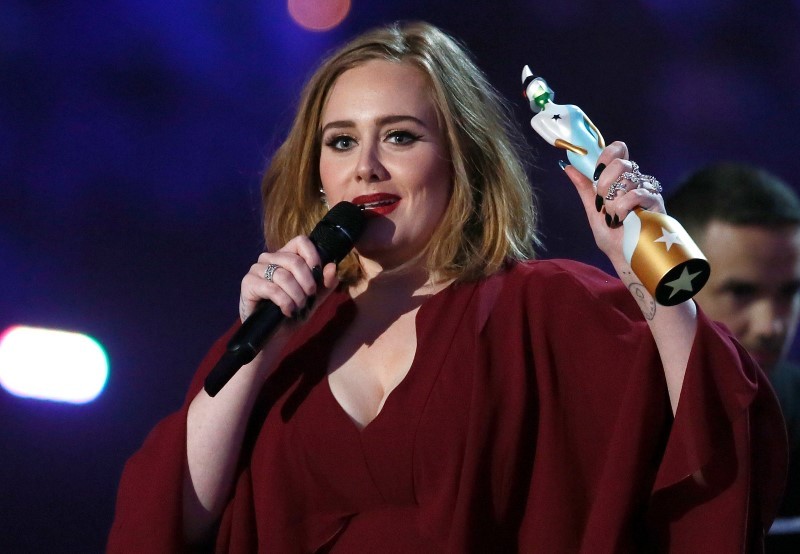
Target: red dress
x=534, y=418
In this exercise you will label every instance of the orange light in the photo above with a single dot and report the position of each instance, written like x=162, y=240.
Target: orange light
x=318, y=15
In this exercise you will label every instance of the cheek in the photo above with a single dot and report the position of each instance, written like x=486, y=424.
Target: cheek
x=739, y=326
x=443, y=173
x=438, y=179
x=744, y=319
x=722, y=308
x=325, y=169
x=330, y=175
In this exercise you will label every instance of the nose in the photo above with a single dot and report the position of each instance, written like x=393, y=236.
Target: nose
x=369, y=168
x=769, y=319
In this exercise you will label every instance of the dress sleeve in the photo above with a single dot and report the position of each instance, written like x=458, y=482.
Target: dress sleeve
x=726, y=455
x=148, y=516
x=708, y=480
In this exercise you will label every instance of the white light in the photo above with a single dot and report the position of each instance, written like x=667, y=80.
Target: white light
x=52, y=365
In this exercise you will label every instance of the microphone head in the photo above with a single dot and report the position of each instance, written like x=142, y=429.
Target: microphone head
x=338, y=231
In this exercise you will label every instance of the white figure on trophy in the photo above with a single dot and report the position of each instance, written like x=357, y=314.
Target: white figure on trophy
x=659, y=250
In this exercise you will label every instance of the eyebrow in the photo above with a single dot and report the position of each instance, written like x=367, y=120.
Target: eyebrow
x=386, y=120
x=735, y=282
x=755, y=285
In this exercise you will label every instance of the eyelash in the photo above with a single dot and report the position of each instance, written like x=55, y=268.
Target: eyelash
x=332, y=141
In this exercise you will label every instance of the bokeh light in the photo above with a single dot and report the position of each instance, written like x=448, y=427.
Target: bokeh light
x=316, y=15
x=48, y=364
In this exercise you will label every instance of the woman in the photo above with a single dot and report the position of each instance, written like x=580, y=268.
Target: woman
x=443, y=394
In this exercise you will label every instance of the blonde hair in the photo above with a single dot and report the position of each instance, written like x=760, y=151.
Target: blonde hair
x=491, y=215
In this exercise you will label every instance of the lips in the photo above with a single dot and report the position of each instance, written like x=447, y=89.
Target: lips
x=377, y=204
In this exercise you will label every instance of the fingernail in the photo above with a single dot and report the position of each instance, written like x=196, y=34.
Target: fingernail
x=316, y=272
x=608, y=220
x=615, y=223
x=562, y=164
x=310, y=301
x=598, y=170
x=598, y=202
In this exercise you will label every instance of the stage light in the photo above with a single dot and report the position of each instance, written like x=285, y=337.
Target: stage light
x=318, y=16
x=48, y=364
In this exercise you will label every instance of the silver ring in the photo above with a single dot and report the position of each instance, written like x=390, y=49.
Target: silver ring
x=647, y=182
x=270, y=271
x=615, y=187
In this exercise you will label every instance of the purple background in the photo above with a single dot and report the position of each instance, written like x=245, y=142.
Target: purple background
x=132, y=138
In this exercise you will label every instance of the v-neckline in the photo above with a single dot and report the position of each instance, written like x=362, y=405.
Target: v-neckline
x=404, y=382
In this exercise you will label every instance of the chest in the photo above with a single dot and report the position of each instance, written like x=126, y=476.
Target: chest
x=417, y=406
x=368, y=363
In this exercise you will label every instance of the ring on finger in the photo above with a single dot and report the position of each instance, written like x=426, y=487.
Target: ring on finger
x=616, y=186
x=650, y=184
x=642, y=181
x=270, y=271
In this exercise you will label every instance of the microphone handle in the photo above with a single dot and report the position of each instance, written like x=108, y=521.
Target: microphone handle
x=333, y=237
x=242, y=347
x=248, y=341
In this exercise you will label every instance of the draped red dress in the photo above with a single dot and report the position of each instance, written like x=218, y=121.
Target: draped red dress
x=534, y=418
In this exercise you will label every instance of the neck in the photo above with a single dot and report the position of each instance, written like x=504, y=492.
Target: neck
x=407, y=280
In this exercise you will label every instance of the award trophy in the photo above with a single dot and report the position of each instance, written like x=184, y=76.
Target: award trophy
x=659, y=250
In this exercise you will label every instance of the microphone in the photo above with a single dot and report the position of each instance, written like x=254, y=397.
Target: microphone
x=659, y=250
x=333, y=237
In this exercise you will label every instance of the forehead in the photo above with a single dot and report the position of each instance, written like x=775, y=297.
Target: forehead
x=380, y=87
x=752, y=252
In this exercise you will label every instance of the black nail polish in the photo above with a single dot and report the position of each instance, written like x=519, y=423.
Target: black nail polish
x=310, y=301
x=598, y=170
x=598, y=202
x=615, y=223
x=608, y=220
x=562, y=164
x=316, y=272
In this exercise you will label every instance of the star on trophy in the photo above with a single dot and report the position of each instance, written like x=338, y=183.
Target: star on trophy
x=659, y=250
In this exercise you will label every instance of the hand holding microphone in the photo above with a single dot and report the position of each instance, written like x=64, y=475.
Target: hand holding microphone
x=332, y=238
x=659, y=250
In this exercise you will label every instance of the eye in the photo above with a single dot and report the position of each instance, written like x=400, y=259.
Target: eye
x=402, y=137
x=340, y=142
x=739, y=292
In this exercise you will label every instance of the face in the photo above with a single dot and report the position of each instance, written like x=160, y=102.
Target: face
x=754, y=286
x=382, y=147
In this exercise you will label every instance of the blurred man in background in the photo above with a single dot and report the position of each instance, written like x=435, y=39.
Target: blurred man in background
x=747, y=223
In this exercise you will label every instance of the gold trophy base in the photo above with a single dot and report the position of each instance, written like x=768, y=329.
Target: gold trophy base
x=664, y=257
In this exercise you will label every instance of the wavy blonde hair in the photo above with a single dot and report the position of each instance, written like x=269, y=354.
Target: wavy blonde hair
x=491, y=216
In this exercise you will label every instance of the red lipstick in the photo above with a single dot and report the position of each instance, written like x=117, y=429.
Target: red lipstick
x=377, y=204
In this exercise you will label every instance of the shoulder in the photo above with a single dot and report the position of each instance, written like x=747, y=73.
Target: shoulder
x=554, y=290
x=560, y=278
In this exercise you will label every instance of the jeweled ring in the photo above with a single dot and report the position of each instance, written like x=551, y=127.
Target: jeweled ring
x=647, y=182
x=615, y=187
x=270, y=271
